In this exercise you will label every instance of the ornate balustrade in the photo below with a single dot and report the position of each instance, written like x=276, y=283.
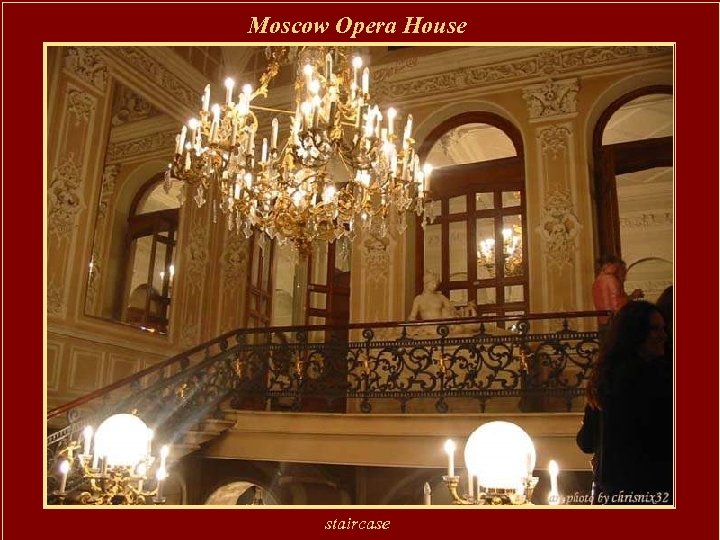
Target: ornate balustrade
x=438, y=360
x=539, y=360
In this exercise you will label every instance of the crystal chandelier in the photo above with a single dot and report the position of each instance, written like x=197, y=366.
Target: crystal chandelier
x=512, y=252
x=344, y=166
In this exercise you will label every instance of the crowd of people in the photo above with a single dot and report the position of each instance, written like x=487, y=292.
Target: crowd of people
x=628, y=419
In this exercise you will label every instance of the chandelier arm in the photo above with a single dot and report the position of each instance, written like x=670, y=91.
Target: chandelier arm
x=270, y=109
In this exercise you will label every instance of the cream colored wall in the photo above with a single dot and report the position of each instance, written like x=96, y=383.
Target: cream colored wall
x=557, y=138
x=90, y=185
x=85, y=352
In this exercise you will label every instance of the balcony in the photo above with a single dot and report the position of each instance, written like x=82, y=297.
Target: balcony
x=387, y=396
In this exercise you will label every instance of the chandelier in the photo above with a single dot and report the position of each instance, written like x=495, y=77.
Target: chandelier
x=345, y=164
x=512, y=252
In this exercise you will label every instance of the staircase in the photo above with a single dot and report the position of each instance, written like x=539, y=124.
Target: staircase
x=186, y=399
x=200, y=434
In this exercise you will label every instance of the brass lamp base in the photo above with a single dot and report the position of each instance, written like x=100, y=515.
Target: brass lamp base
x=492, y=496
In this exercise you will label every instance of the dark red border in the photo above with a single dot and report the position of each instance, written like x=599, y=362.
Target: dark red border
x=695, y=29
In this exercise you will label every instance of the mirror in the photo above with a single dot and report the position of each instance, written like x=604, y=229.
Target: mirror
x=131, y=268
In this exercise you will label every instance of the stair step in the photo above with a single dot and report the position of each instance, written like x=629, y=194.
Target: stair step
x=216, y=425
x=180, y=449
x=198, y=437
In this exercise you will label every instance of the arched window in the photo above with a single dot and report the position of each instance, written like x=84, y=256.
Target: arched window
x=633, y=160
x=476, y=245
x=150, y=270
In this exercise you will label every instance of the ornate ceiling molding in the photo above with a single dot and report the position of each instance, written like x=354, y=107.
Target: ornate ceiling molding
x=145, y=71
x=158, y=143
x=550, y=63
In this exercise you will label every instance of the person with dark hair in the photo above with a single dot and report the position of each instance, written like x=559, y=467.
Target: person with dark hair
x=608, y=290
x=665, y=305
x=628, y=419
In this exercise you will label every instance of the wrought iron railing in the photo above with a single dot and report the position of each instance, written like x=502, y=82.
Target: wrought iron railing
x=539, y=362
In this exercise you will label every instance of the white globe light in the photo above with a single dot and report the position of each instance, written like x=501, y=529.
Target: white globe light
x=500, y=454
x=122, y=439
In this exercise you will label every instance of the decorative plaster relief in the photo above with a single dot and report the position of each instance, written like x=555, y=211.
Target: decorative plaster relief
x=196, y=255
x=190, y=334
x=547, y=63
x=64, y=198
x=559, y=228
x=551, y=98
x=158, y=74
x=88, y=65
x=233, y=261
x=110, y=172
x=646, y=221
x=130, y=107
x=152, y=144
x=553, y=139
x=81, y=104
x=389, y=71
x=55, y=299
x=377, y=258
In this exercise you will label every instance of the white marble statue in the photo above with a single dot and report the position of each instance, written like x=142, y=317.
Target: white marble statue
x=431, y=304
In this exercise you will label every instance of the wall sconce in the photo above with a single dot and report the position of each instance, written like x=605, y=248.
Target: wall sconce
x=113, y=466
x=500, y=459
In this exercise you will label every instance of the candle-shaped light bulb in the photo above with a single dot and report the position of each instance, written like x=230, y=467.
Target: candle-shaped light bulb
x=408, y=127
x=206, y=98
x=193, y=124
x=229, y=85
x=553, y=496
x=87, y=439
x=273, y=139
x=251, y=145
x=356, y=64
x=366, y=81
x=391, y=114
x=263, y=154
x=427, y=494
x=242, y=106
x=450, y=449
x=164, y=452
x=160, y=475
x=247, y=90
x=64, y=470
x=150, y=432
x=328, y=65
x=181, y=142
